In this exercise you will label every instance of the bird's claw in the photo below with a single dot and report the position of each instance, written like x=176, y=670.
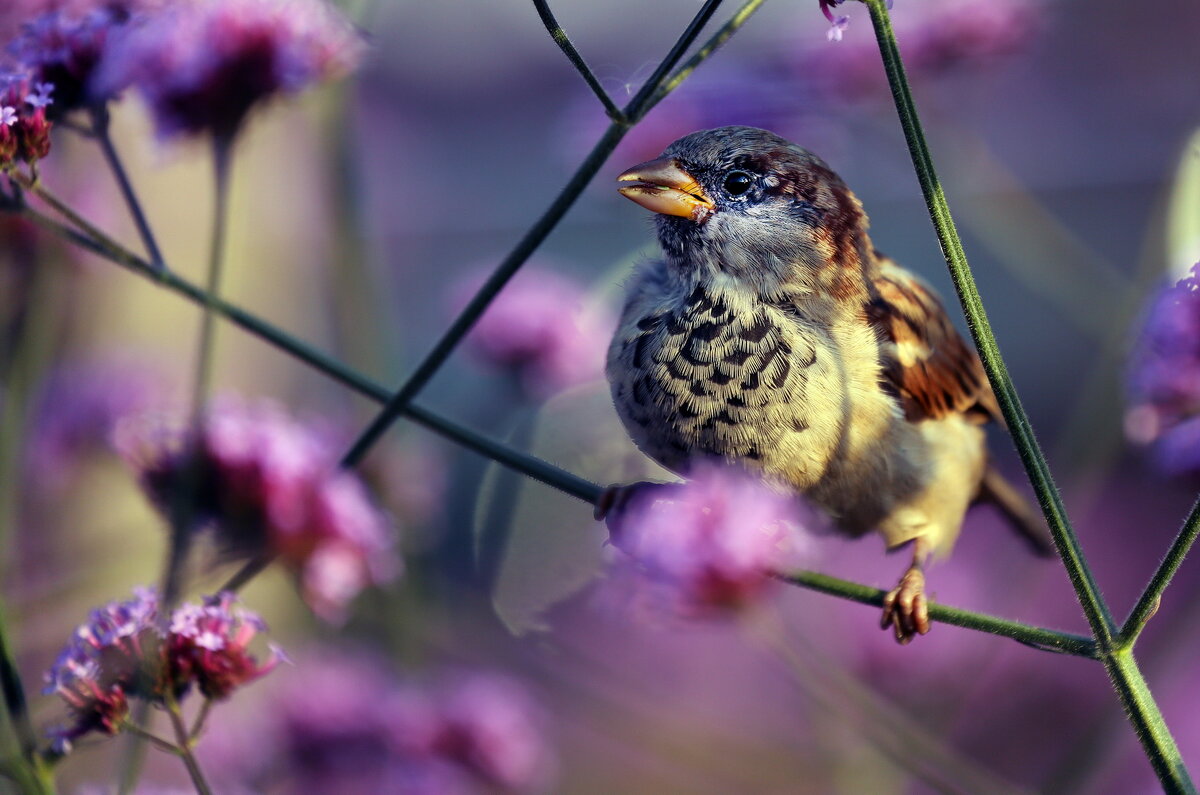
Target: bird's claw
x=906, y=608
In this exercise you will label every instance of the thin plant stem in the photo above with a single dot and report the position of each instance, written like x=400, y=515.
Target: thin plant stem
x=201, y=719
x=100, y=131
x=723, y=34
x=1037, y=637
x=185, y=749
x=182, y=506
x=1126, y=678
x=564, y=43
x=637, y=107
x=14, y=693
x=152, y=738
x=1094, y=607
x=539, y=470
x=1148, y=721
x=527, y=245
x=1148, y=602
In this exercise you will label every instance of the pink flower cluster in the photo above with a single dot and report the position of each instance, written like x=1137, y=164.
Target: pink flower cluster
x=203, y=66
x=120, y=653
x=539, y=329
x=269, y=487
x=716, y=539
x=24, y=128
x=342, y=723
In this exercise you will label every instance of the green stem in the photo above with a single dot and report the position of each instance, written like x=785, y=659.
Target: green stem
x=100, y=131
x=183, y=503
x=1118, y=660
x=637, y=107
x=1098, y=616
x=1038, y=637
x=185, y=750
x=1148, y=722
x=527, y=245
x=1148, y=602
x=14, y=695
x=564, y=43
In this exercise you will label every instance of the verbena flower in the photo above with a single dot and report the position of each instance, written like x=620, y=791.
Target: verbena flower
x=64, y=49
x=539, y=329
x=1164, y=377
x=715, y=539
x=939, y=37
x=78, y=408
x=201, y=67
x=342, y=722
x=120, y=653
x=268, y=486
x=24, y=128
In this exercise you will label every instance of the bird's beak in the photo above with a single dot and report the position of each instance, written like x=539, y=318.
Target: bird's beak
x=664, y=187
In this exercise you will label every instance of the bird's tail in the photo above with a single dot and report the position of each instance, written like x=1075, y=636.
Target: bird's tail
x=1025, y=519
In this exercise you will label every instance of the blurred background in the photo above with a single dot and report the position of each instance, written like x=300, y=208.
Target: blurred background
x=364, y=214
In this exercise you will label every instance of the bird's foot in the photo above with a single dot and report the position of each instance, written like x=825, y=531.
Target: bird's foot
x=906, y=608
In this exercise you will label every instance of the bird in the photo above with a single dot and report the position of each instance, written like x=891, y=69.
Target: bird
x=772, y=334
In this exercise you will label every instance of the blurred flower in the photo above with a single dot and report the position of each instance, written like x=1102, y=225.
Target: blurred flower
x=716, y=538
x=1164, y=378
x=201, y=67
x=938, y=37
x=63, y=50
x=538, y=328
x=24, y=128
x=269, y=487
x=486, y=724
x=341, y=722
x=78, y=408
x=120, y=653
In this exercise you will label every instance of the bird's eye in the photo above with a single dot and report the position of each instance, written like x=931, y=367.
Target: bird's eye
x=737, y=182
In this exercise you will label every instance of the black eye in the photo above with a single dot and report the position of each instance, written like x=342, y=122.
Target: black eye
x=737, y=182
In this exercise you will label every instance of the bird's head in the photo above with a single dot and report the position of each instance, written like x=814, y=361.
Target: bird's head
x=745, y=202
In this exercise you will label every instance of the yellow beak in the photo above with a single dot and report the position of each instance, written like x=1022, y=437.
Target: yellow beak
x=664, y=187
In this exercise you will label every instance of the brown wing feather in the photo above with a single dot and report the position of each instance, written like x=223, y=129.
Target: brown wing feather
x=933, y=369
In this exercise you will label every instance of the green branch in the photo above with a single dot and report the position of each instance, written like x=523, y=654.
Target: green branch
x=532, y=239
x=1094, y=607
x=1046, y=639
x=1148, y=602
x=1111, y=648
x=564, y=43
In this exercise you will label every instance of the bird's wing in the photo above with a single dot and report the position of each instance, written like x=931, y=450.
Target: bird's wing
x=934, y=371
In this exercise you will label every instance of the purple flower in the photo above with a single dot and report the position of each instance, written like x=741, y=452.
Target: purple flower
x=938, y=37
x=63, y=50
x=8, y=116
x=269, y=487
x=837, y=24
x=715, y=539
x=78, y=408
x=120, y=653
x=539, y=329
x=112, y=656
x=25, y=133
x=341, y=722
x=207, y=646
x=487, y=724
x=1164, y=377
x=202, y=66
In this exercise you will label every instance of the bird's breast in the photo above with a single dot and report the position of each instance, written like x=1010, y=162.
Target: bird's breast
x=716, y=373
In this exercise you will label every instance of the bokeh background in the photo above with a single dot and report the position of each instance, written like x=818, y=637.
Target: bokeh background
x=362, y=215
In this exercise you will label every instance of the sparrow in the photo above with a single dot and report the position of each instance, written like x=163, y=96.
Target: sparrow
x=772, y=334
